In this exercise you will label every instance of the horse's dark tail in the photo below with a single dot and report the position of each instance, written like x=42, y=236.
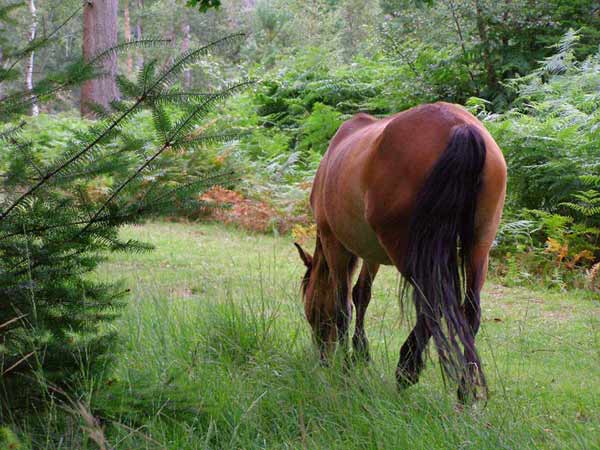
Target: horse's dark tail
x=444, y=221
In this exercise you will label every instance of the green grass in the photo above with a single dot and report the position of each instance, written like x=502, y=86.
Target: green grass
x=215, y=353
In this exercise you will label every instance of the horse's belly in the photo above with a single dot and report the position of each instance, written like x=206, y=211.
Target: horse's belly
x=362, y=241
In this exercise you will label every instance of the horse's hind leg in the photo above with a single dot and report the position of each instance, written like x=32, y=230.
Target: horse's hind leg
x=411, y=353
x=361, y=296
x=411, y=362
x=472, y=309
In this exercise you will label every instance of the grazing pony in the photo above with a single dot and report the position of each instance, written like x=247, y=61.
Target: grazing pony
x=422, y=190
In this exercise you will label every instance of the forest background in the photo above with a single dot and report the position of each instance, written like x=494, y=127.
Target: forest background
x=185, y=130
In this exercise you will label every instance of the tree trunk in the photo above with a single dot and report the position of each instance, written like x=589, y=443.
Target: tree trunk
x=138, y=33
x=127, y=30
x=99, y=34
x=505, y=17
x=461, y=40
x=492, y=81
x=29, y=66
x=185, y=46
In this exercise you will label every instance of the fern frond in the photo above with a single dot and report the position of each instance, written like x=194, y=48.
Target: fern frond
x=587, y=211
x=132, y=44
x=564, y=58
x=590, y=180
x=568, y=41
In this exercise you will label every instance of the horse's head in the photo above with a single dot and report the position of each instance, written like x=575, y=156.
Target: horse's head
x=316, y=292
x=307, y=259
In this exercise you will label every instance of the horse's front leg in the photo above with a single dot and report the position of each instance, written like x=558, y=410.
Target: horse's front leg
x=341, y=265
x=361, y=296
x=343, y=305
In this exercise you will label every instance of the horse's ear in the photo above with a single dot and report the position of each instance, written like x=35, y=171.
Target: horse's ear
x=306, y=258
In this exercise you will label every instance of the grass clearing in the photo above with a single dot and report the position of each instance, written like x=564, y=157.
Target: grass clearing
x=215, y=353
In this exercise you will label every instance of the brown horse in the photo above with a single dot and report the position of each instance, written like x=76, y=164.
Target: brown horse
x=422, y=190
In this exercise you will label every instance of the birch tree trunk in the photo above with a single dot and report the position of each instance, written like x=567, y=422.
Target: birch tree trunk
x=99, y=34
x=29, y=66
x=185, y=46
x=138, y=33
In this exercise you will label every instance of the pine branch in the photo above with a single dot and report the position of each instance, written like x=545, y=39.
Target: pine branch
x=167, y=144
x=73, y=158
x=132, y=44
x=206, y=139
x=12, y=132
x=178, y=66
x=76, y=74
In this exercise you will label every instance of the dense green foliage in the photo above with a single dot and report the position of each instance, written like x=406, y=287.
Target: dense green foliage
x=204, y=5
x=481, y=43
x=550, y=140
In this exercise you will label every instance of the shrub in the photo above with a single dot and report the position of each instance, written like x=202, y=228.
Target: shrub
x=550, y=141
x=56, y=223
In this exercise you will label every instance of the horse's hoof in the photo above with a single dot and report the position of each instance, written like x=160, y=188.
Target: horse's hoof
x=361, y=357
x=465, y=396
x=405, y=380
x=324, y=361
x=469, y=395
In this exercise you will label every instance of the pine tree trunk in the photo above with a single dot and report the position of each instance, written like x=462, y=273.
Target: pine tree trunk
x=99, y=34
x=30, y=61
x=127, y=31
x=185, y=46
